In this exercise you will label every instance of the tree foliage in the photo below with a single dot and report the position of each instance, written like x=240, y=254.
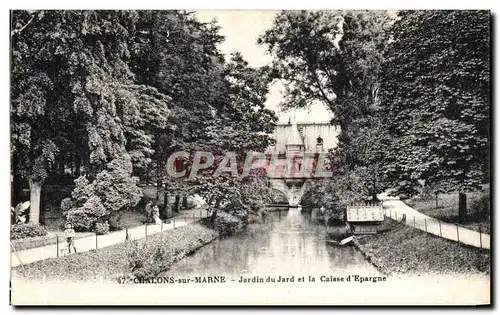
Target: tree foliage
x=436, y=100
x=335, y=57
x=102, y=200
x=91, y=89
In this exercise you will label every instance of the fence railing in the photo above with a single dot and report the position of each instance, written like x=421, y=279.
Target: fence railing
x=450, y=231
x=60, y=247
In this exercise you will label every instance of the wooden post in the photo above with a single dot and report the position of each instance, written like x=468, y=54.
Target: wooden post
x=146, y=229
x=425, y=222
x=480, y=239
x=127, y=237
x=173, y=220
x=161, y=226
x=440, y=233
x=95, y=240
x=458, y=235
x=57, y=245
x=414, y=222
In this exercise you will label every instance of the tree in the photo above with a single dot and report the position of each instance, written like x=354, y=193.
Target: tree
x=435, y=96
x=178, y=55
x=70, y=71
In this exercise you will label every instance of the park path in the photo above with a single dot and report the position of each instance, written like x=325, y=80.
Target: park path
x=86, y=244
x=395, y=208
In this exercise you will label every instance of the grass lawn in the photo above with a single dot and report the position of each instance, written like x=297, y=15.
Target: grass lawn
x=478, y=208
x=406, y=250
x=149, y=257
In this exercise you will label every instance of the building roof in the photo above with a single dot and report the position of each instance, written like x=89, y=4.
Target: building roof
x=365, y=214
x=308, y=137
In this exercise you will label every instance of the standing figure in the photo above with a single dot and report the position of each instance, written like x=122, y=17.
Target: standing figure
x=156, y=214
x=149, y=209
x=69, y=233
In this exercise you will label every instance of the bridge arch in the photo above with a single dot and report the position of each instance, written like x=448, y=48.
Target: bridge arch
x=278, y=196
x=293, y=189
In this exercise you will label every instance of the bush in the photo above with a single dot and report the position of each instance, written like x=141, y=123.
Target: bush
x=112, y=191
x=85, y=217
x=148, y=257
x=482, y=205
x=225, y=223
x=24, y=230
x=102, y=228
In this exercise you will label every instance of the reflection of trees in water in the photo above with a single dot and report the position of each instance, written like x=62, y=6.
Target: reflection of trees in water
x=229, y=255
x=285, y=244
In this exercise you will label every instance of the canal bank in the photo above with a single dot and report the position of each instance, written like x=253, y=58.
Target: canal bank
x=403, y=250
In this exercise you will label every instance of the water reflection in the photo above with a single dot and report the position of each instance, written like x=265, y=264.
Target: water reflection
x=287, y=243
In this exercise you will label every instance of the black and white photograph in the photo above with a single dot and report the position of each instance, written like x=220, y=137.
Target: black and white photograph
x=250, y=157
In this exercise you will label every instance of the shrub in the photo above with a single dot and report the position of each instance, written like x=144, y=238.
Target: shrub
x=85, y=217
x=112, y=191
x=225, y=223
x=66, y=204
x=18, y=231
x=102, y=228
x=148, y=257
x=482, y=205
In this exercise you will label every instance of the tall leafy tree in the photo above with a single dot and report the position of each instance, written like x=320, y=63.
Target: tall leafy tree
x=240, y=124
x=217, y=104
x=73, y=94
x=436, y=101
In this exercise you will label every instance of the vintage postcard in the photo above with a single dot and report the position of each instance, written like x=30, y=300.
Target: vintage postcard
x=294, y=157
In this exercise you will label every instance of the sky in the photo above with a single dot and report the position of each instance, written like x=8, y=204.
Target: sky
x=241, y=29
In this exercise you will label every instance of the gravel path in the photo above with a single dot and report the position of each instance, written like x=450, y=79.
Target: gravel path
x=395, y=209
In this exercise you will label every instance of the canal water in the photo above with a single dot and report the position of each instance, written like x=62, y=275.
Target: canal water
x=287, y=243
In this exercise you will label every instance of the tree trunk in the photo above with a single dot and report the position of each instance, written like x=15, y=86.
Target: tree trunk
x=35, y=192
x=462, y=207
x=159, y=186
x=177, y=203
x=216, y=207
x=437, y=204
x=17, y=190
x=78, y=166
x=167, y=210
